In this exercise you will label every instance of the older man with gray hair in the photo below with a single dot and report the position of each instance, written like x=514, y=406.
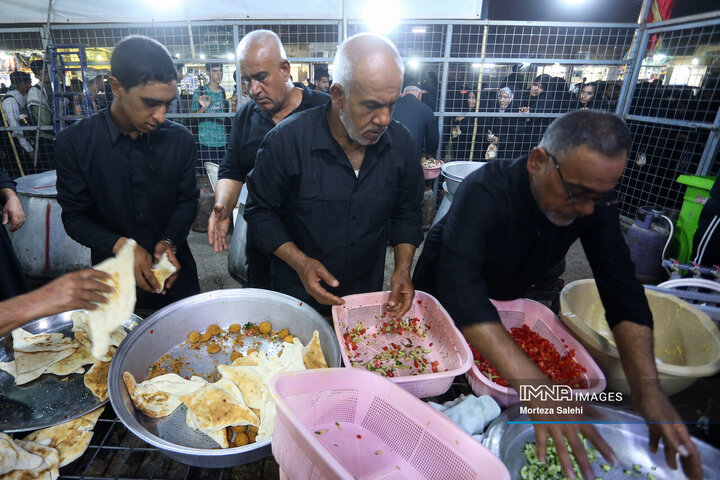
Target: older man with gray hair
x=331, y=185
x=417, y=117
x=264, y=66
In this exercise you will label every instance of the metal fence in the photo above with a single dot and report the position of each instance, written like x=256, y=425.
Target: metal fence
x=662, y=78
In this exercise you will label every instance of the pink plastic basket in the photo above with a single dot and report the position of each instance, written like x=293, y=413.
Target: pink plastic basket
x=542, y=321
x=449, y=347
x=350, y=423
x=431, y=173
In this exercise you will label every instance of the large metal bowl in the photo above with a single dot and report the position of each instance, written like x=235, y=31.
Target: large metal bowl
x=165, y=331
x=455, y=173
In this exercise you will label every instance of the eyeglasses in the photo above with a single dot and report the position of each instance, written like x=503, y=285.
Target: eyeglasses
x=573, y=198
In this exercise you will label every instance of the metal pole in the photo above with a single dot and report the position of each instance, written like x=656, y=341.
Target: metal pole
x=638, y=50
x=192, y=42
x=43, y=92
x=711, y=148
x=444, y=83
x=344, y=21
x=479, y=90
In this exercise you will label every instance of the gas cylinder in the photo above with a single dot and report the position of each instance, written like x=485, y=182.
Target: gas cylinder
x=646, y=239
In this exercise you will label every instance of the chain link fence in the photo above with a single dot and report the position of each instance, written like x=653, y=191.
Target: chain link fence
x=494, y=86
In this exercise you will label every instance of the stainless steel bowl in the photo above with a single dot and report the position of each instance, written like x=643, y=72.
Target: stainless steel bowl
x=626, y=433
x=455, y=173
x=167, y=329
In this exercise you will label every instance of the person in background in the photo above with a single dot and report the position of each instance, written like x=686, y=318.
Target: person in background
x=41, y=113
x=503, y=135
x=429, y=89
x=71, y=291
x=175, y=105
x=322, y=80
x=586, y=99
x=509, y=223
x=12, y=280
x=264, y=66
x=461, y=131
x=417, y=117
x=14, y=104
x=3, y=89
x=333, y=184
x=125, y=172
x=211, y=99
x=536, y=100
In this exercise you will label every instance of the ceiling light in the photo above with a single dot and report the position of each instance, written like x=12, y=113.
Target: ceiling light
x=419, y=30
x=413, y=63
x=382, y=16
x=202, y=56
x=695, y=61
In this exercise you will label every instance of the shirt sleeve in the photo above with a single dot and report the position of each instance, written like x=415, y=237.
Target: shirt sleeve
x=232, y=165
x=178, y=226
x=12, y=113
x=622, y=295
x=406, y=221
x=268, y=188
x=5, y=180
x=469, y=226
x=432, y=136
x=75, y=200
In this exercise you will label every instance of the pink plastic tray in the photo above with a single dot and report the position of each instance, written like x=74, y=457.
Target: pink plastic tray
x=542, y=321
x=350, y=423
x=449, y=347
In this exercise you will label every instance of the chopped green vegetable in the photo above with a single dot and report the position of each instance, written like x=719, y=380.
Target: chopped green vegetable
x=651, y=476
x=628, y=472
x=637, y=467
x=606, y=467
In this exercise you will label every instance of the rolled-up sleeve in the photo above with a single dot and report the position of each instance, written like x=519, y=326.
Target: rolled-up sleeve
x=622, y=295
x=178, y=226
x=268, y=188
x=406, y=221
x=460, y=285
x=76, y=203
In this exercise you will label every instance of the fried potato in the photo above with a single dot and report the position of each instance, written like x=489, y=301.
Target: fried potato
x=265, y=327
x=205, y=336
x=283, y=333
x=234, y=328
x=213, y=348
x=234, y=355
x=194, y=337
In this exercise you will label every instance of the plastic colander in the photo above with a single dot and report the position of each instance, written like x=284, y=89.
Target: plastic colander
x=351, y=423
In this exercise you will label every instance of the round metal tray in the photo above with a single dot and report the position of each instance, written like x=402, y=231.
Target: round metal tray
x=49, y=400
x=166, y=332
x=626, y=433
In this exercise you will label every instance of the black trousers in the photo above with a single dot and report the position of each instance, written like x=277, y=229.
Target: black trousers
x=12, y=280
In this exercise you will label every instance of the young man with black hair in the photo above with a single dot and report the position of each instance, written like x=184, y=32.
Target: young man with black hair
x=126, y=172
x=40, y=109
x=211, y=98
x=14, y=104
x=322, y=80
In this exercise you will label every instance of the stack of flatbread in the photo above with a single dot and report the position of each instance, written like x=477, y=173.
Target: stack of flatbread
x=240, y=397
x=42, y=453
x=44, y=352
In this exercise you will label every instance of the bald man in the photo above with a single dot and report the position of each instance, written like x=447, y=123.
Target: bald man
x=333, y=184
x=417, y=117
x=264, y=66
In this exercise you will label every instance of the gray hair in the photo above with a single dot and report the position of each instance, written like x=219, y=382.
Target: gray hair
x=347, y=57
x=413, y=90
x=601, y=131
x=263, y=38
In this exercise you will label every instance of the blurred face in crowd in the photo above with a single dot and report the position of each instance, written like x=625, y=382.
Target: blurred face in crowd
x=366, y=110
x=266, y=73
x=323, y=84
x=504, y=99
x=216, y=75
x=24, y=87
x=471, y=101
x=587, y=94
x=536, y=89
x=142, y=108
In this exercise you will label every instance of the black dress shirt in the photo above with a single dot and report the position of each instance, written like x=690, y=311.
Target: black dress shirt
x=249, y=127
x=495, y=242
x=111, y=186
x=304, y=190
x=419, y=119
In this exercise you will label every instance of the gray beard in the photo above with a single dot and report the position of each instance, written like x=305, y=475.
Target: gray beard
x=351, y=130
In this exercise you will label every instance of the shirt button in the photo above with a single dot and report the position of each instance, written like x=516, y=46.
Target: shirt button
x=353, y=217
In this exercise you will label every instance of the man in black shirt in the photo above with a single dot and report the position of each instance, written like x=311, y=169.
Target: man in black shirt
x=12, y=281
x=331, y=185
x=265, y=67
x=511, y=221
x=417, y=117
x=127, y=173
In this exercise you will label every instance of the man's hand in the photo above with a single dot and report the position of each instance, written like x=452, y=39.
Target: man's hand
x=402, y=293
x=311, y=273
x=218, y=226
x=13, y=211
x=664, y=422
x=74, y=290
x=160, y=249
x=144, y=277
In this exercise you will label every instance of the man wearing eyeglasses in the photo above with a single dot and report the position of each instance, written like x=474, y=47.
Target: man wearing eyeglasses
x=509, y=223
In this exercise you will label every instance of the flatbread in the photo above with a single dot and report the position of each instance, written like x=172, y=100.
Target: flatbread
x=96, y=379
x=28, y=366
x=251, y=359
x=24, y=341
x=312, y=353
x=72, y=364
x=70, y=439
x=13, y=456
x=121, y=302
x=291, y=359
x=251, y=380
x=80, y=329
x=268, y=414
x=163, y=270
x=48, y=469
x=216, y=406
x=160, y=396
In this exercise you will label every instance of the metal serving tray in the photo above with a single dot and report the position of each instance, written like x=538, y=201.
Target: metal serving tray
x=627, y=435
x=49, y=400
x=167, y=330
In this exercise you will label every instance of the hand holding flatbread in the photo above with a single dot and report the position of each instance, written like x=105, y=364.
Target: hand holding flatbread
x=164, y=249
x=163, y=269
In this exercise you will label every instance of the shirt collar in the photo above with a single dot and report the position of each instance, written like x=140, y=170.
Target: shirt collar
x=305, y=103
x=115, y=132
x=323, y=139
